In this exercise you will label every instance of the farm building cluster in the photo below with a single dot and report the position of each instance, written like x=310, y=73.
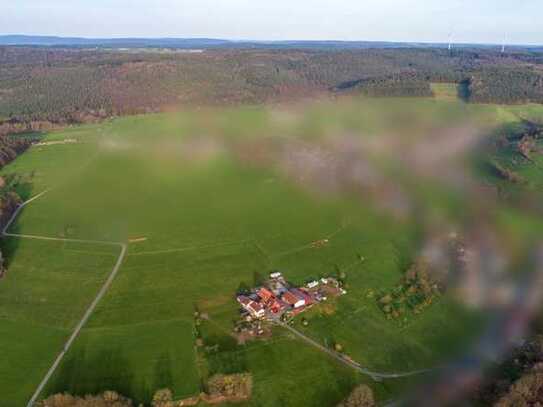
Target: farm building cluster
x=276, y=298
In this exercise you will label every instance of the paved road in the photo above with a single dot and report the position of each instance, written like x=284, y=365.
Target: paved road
x=91, y=307
x=378, y=376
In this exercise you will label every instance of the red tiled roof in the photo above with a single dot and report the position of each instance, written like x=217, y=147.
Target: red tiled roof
x=304, y=294
x=265, y=294
x=290, y=298
x=277, y=305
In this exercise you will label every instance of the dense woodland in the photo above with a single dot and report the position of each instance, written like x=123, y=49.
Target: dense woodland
x=43, y=87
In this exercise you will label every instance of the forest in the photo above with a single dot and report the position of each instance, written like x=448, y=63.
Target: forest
x=41, y=88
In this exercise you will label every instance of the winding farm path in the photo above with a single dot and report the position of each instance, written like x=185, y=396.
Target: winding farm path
x=92, y=306
x=377, y=376
x=123, y=246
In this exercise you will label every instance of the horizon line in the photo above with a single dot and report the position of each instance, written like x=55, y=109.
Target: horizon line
x=100, y=38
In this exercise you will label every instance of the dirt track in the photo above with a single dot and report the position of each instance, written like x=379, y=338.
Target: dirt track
x=377, y=376
x=92, y=306
x=123, y=246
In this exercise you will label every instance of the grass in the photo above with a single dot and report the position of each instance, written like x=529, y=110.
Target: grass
x=209, y=225
x=44, y=294
x=509, y=156
x=286, y=372
x=445, y=91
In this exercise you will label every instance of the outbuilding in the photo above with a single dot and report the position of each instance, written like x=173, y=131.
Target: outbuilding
x=293, y=300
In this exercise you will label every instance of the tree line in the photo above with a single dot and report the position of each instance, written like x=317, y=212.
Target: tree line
x=58, y=86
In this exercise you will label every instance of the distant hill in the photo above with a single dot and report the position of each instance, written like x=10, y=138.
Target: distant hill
x=210, y=43
x=49, y=41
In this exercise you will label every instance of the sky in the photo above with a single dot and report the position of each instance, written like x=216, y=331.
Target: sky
x=479, y=21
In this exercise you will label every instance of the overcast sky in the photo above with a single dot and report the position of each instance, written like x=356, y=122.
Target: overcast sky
x=520, y=21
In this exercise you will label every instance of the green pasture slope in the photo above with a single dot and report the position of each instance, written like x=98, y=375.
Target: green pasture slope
x=47, y=289
x=510, y=124
x=209, y=226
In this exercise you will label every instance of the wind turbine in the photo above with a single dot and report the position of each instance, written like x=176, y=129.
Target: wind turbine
x=450, y=38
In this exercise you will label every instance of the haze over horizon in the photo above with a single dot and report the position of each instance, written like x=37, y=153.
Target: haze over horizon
x=486, y=21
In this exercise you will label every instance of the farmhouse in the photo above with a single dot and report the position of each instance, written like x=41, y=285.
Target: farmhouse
x=254, y=308
x=277, y=298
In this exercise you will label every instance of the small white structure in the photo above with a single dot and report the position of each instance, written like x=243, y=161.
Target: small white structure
x=299, y=303
x=324, y=280
x=312, y=284
x=275, y=275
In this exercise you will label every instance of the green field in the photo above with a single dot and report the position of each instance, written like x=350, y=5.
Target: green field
x=445, y=91
x=210, y=224
x=41, y=300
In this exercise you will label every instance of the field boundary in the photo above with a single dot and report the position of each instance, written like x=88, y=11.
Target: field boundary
x=376, y=376
x=123, y=246
x=190, y=248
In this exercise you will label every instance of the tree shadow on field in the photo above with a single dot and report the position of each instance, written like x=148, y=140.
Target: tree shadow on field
x=84, y=373
x=9, y=246
x=464, y=90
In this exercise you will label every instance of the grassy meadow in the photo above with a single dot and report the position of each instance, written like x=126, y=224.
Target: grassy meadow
x=445, y=91
x=44, y=295
x=199, y=223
